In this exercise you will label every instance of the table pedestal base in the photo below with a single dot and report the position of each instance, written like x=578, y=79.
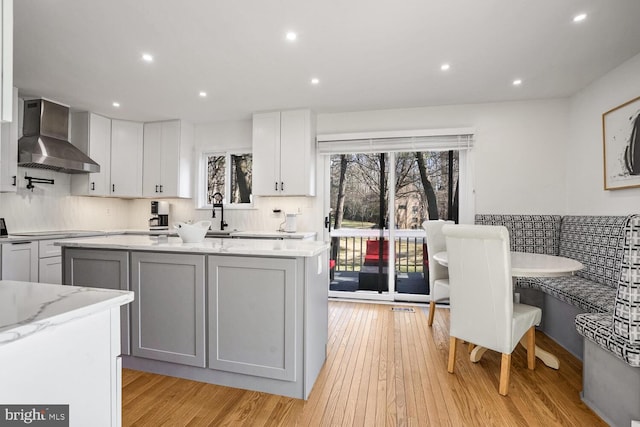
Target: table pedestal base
x=547, y=358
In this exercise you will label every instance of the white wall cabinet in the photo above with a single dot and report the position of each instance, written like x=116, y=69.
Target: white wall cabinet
x=9, y=133
x=168, y=156
x=91, y=133
x=6, y=67
x=20, y=261
x=126, y=158
x=284, y=153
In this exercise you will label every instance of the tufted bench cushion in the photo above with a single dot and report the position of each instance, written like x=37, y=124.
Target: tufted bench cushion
x=578, y=291
x=598, y=327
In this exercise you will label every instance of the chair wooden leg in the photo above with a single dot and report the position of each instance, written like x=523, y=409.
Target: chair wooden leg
x=531, y=348
x=470, y=347
x=452, y=354
x=432, y=311
x=505, y=371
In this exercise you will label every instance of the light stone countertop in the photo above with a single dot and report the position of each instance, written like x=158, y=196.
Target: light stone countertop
x=250, y=247
x=27, y=308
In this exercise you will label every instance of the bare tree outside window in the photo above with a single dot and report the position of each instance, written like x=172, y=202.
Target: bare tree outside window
x=238, y=188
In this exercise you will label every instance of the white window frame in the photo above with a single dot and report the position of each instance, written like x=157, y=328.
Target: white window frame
x=202, y=179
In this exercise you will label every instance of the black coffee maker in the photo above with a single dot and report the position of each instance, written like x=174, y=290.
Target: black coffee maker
x=159, y=216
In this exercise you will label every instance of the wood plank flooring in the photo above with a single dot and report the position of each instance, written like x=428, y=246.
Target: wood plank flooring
x=383, y=368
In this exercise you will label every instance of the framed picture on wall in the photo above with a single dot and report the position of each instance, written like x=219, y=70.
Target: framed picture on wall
x=621, y=145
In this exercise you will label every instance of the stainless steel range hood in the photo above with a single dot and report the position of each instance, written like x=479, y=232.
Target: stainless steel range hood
x=45, y=143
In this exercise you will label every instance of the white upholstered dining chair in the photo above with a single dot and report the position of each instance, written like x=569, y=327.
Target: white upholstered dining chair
x=438, y=274
x=482, y=310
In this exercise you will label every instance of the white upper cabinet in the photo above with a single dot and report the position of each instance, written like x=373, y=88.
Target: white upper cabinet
x=126, y=158
x=9, y=149
x=91, y=133
x=6, y=67
x=284, y=154
x=168, y=156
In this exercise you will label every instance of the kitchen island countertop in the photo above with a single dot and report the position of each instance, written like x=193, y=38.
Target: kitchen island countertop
x=27, y=308
x=252, y=247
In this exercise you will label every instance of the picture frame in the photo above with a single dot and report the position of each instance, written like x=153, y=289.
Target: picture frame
x=621, y=146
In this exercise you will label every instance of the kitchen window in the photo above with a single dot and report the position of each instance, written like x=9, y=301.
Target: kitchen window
x=228, y=173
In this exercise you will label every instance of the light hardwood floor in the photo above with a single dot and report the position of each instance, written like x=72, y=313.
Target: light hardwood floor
x=383, y=368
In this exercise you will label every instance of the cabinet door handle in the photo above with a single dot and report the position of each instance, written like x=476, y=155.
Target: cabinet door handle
x=113, y=188
x=281, y=186
x=276, y=185
x=14, y=181
x=21, y=243
x=156, y=188
x=161, y=188
x=93, y=186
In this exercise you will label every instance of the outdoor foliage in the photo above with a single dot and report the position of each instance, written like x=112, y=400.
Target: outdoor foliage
x=422, y=189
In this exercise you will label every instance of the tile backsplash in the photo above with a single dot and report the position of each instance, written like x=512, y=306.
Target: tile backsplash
x=52, y=207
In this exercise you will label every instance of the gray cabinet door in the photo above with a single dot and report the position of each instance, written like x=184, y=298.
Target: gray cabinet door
x=252, y=316
x=168, y=312
x=101, y=269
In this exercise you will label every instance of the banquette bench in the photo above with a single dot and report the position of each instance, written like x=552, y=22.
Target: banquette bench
x=594, y=314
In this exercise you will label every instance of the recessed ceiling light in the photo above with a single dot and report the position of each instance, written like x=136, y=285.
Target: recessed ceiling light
x=291, y=36
x=315, y=81
x=445, y=67
x=579, y=18
x=147, y=57
x=203, y=94
x=517, y=82
x=116, y=104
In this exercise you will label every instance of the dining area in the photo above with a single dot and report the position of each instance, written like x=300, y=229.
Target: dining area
x=510, y=278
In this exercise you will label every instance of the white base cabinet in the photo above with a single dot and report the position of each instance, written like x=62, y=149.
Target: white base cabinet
x=20, y=261
x=75, y=363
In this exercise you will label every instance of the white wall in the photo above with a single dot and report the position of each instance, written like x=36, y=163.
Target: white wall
x=585, y=175
x=519, y=151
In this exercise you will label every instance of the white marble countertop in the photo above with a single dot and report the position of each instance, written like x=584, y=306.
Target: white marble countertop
x=68, y=234
x=274, y=234
x=27, y=308
x=251, y=247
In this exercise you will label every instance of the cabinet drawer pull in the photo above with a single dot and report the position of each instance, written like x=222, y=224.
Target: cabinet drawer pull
x=21, y=243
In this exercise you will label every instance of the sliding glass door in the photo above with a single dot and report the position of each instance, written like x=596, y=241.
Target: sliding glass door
x=378, y=202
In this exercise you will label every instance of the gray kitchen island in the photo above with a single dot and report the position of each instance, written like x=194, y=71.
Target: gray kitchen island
x=250, y=314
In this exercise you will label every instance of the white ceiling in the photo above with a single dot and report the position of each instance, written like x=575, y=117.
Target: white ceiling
x=368, y=54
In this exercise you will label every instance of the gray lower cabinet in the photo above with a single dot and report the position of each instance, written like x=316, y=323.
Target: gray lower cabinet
x=252, y=316
x=168, y=314
x=101, y=269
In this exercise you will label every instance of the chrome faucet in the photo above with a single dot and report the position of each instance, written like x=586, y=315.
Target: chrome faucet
x=217, y=203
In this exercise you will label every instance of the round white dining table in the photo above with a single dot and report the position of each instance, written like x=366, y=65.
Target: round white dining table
x=529, y=265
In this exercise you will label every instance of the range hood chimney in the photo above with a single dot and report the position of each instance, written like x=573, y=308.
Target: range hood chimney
x=45, y=143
